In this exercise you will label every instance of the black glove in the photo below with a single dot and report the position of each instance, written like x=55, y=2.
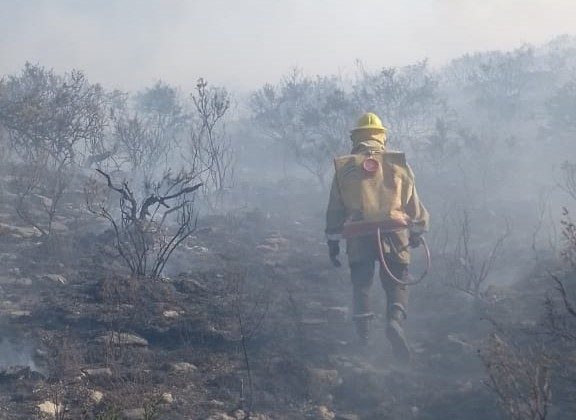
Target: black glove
x=333, y=252
x=415, y=240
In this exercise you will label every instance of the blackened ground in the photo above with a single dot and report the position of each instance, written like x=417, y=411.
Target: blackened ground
x=251, y=318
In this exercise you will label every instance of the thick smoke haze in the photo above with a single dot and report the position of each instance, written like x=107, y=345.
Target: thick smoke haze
x=174, y=176
x=129, y=44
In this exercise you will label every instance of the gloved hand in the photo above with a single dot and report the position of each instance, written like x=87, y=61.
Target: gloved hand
x=415, y=240
x=333, y=252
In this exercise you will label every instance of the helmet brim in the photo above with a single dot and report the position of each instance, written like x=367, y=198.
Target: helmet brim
x=369, y=127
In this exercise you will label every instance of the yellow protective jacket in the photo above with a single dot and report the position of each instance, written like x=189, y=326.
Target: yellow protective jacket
x=391, y=194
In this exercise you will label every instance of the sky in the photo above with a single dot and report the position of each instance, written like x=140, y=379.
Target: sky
x=242, y=44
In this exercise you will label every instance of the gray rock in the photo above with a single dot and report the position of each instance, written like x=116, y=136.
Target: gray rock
x=321, y=413
x=122, y=339
x=97, y=372
x=56, y=278
x=198, y=249
x=50, y=409
x=171, y=314
x=96, y=396
x=220, y=416
x=167, y=398
x=19, y=232
x=19, y=313
x=239, y=414
x=182, y=367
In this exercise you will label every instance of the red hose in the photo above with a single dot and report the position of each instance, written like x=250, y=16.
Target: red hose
x=387, y=269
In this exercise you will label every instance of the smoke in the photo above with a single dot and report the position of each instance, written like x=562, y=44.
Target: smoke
x=130, y=44
x=13, y=354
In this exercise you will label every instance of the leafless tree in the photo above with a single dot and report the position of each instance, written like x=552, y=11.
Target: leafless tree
x=560, y=313
x=495, y=81
x=309, y=117
x=251, y=312
x=569, y=184
x=560, y=109
x=209, y=144
x=560, y=306
x=146, y=135
x=405, y=97
x=45, y=113
x=467, y=271
x=4, y=158
x=569, y=236
x=144, y=237
x=139, y=144
x=50, y=120
x=104, y=151
x=443, y=141
x=4, y=146
x=546, y=225
x=521, y=381
x=40, y=188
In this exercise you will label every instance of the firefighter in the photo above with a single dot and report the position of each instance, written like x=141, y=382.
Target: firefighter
x=373, y=195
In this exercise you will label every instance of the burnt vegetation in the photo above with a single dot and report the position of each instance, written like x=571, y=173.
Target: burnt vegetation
x=162, y=252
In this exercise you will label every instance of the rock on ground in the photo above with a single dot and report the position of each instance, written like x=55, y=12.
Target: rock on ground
x=182, y=367
x=96, y=396
x=19, y=232
x=122, y=339
x=97, y=372
x=322, y=413
x=220, y=416
x=167, y=398
x=56, y=278
x=49, y=408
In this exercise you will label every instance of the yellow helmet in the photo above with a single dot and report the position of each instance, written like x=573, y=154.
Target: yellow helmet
x=370, y=121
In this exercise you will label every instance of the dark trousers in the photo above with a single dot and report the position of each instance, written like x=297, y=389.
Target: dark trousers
x=362, y=273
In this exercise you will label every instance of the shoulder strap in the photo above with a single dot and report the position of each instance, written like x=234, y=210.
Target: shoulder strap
x=397, y=158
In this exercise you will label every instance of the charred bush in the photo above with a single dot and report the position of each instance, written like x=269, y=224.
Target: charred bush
x=149, y=229
x=521, y=381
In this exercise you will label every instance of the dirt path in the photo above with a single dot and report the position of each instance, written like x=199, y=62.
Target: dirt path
x=445, y=376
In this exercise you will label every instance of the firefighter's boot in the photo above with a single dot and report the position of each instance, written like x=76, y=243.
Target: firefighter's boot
x=396, y=335
x=362, y=323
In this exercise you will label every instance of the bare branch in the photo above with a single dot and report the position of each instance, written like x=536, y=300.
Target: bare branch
x=144, y=238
